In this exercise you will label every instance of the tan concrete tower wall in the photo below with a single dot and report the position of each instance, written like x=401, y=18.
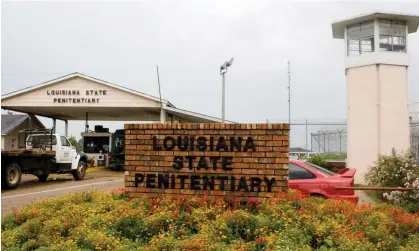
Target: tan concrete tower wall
x=362, y=118
x=377, y=114
x=394, y=108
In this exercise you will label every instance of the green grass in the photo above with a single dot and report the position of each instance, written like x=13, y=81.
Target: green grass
x=373, y=194
x=335, y=156
x=94, y=169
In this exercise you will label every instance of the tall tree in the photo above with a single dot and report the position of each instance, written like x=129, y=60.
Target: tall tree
x=78, y=144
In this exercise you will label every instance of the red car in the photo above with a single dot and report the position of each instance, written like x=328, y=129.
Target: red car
x=313, y=180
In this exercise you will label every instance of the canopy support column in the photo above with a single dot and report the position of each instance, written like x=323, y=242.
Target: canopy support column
x=30, y=121
x=162, y=116
x=66, y=128
x=86, y=129
x=54, y=125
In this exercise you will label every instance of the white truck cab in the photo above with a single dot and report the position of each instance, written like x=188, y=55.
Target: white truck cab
x=64, y=151
x=44, y=153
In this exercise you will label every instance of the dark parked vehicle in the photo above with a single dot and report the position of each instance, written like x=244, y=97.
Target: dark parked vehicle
x=117, y=153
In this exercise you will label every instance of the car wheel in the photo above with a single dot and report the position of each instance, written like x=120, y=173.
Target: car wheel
x=80, y=172
x=12, y=175
x=318, y=196
x=43, y=177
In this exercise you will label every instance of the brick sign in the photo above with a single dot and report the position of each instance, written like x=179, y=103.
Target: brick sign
x=232, y=160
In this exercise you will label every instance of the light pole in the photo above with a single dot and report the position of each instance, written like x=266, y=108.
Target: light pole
x=289, y=93
x=223, y=71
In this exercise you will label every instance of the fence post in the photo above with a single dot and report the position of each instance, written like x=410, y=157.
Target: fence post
x=306, y=138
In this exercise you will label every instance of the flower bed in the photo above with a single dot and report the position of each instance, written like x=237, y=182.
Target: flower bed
x=107, y=221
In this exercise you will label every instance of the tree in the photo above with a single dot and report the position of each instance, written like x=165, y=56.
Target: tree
x=318, y=160
x=78, y=144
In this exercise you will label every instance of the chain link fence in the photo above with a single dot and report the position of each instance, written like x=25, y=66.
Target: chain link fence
x=329, y=141
x=330, y=137
x=414, y=141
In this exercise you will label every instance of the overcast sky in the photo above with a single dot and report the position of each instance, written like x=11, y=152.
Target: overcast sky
x=122, y=42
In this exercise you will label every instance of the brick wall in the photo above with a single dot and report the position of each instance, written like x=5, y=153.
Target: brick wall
x=250, y=159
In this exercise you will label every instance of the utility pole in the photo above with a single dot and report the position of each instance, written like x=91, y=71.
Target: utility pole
x=158, y=82
x=289, y=93
x=162, y=113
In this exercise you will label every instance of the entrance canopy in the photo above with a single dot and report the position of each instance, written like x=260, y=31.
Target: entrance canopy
x=80, y=97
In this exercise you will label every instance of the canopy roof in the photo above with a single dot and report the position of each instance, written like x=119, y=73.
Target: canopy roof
x=72, y=96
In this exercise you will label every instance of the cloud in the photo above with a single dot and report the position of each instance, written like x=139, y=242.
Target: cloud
x=122, y=42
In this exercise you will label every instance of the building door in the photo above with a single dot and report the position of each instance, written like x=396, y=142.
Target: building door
x=13, y=143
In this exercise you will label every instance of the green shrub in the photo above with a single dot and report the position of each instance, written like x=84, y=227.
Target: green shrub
x=319, y=160
x=396, y=170
x=9, y=222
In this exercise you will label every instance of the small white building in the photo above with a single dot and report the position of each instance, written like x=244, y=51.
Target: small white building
x=298, y=152
x=11, y=124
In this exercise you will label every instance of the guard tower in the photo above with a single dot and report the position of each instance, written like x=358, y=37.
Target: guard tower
x=376, y=65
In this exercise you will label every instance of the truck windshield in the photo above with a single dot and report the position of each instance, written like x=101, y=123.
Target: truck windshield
x=38, y=141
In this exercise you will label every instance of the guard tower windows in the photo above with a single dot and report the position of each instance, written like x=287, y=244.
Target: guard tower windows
x=360, y=38
x=392, y=36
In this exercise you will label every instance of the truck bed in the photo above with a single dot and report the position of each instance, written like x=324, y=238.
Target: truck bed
x=28, y=153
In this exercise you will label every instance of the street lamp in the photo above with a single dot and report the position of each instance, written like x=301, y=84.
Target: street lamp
x=223, y=71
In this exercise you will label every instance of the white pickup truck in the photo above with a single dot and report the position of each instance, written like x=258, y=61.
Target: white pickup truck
x=44, y=153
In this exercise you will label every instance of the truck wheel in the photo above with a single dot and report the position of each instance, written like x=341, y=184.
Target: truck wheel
x=43, y=177
x=80, y=172
x=12, y=175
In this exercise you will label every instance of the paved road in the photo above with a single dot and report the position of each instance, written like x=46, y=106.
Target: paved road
x=30, y=190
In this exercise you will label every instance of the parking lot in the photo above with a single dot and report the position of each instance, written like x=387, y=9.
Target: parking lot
x=31, y=190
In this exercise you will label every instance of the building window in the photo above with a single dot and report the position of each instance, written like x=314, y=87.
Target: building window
x=392, y=36
x=96, y=144
x=360, y=38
